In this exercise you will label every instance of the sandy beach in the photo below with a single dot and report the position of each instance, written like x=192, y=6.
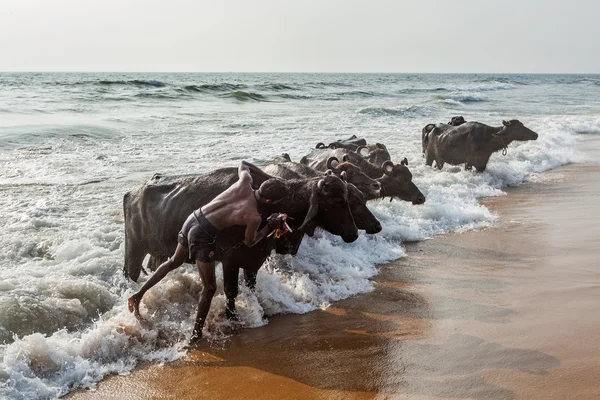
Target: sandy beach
x=509, y=312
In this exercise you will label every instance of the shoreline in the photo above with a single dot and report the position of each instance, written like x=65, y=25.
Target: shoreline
x=504, y=312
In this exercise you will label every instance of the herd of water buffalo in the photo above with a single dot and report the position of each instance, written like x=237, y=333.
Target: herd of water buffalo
x=328, y=189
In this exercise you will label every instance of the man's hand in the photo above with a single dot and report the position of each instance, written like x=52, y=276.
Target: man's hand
x=274, y=221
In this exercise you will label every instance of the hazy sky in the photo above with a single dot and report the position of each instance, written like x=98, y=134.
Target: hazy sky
x=301, y=36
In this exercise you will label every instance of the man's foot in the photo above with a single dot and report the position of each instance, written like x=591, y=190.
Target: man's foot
x=133, y=303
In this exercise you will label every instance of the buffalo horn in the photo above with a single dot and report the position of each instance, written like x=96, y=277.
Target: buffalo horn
x=360, y=149
x=330, y=162
x=321, y=183
x=388, y=167
x=404, y=161
x=332, y=146
x=320, y=145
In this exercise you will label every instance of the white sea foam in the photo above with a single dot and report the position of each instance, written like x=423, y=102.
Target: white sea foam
x=63, y=315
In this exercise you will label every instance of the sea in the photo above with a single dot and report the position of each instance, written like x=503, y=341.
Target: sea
x=72, y=144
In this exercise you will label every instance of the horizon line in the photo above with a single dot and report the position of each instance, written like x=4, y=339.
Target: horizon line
x=292, y=72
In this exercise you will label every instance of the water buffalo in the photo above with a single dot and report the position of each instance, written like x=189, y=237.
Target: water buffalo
x=454, y=121
x=155, y=213
x=375, y=153
x=395, y=179
x=352, y=174
x=351, y=143
x=471, y=143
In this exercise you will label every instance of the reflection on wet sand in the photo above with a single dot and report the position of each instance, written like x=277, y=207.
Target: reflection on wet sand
x=502, y=313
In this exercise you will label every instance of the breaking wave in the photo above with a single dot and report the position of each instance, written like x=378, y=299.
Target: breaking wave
x=460, y=98
x=410, y=112
x=207, y=88
x=135, y=82
x=244, y=96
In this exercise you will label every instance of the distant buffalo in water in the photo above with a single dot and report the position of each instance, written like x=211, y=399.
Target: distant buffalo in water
x=471, y=143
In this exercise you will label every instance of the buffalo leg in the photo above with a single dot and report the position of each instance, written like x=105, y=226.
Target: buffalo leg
x=134, y=257
x=429, y=157
x=209, y=283
x=250, y=279
x=155, y=262
x=468, y=167
x=230, y=284
x=439, y=164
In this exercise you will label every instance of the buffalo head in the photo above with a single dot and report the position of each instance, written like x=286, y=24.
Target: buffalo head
x=328, y=207
x=397, y=182
x=355, y=176
x=363, y=217
x=515, y=130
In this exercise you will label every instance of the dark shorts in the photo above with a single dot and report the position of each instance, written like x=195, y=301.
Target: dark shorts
x=199, y=236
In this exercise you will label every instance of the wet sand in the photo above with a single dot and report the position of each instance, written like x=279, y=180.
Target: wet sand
x=509, y=312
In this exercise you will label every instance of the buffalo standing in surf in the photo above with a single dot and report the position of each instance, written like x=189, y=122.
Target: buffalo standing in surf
x=155, y=213
x=395, y=179
x=374, y=153
x=471, y=143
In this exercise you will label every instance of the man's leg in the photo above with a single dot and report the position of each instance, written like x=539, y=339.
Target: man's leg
x=207, y=274
x=181, y=254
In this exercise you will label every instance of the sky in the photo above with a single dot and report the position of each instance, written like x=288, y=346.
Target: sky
x=429, y=36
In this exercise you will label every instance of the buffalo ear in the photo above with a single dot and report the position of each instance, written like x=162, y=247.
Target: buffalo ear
x=506, y=123
x=381, y=146
x=313, y=208
x=404, y=161
x=320, y=145
x=328, y=172
x=332, y=162
x=388, y=167
x=344, y=176
x=345, y=158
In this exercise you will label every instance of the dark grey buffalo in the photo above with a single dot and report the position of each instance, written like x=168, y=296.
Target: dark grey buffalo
x=375, y=153
x=351, y=173
x=352, y=143
x=155, y=213
x=471, y=143
x=454, y=121
x=395, y=179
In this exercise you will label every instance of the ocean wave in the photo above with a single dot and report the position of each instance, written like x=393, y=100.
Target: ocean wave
x=221, y=87
x=421, y=90
x=160, y=95
x=244, y=96
x=276, y=86
x=460, y=98
x=410, y=112
x=355, y=93
x=134, y=82
x=294, y=96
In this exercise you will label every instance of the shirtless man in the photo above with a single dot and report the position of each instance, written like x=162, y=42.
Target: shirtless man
x=237, y=205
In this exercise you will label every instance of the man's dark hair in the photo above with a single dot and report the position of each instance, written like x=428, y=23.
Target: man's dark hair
x=273, y=189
